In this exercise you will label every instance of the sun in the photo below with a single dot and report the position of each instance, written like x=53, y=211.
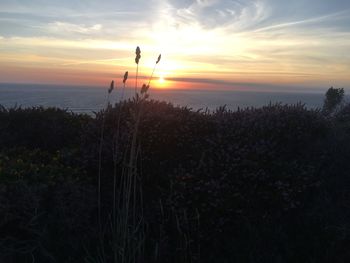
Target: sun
x=161, y=80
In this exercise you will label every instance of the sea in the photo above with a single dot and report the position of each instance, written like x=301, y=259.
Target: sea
x=87, y=99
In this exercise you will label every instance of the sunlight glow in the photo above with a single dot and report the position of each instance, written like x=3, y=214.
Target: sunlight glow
x=161, y=80
x=211, y=40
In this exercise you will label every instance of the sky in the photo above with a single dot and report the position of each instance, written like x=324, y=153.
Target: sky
x=204, y=43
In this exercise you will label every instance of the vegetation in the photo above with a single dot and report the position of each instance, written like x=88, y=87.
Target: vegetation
x=334, y=98
x=254, y=185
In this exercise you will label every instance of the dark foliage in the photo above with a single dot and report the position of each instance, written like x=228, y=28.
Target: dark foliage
x=49, y=129
x=254, y=185
x=334, y=97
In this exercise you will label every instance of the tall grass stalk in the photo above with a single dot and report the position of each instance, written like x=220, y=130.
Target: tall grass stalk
x=137, y=60
x=154, y=68
x=100, y=153
x=126, y=218
x=116, y=149
x=101, y=235
x=130, y=220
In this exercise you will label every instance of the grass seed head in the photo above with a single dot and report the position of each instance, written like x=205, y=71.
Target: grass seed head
x=144, y=88
x=159, y=57
x=125, y=76
x=111, y=87
x=138, y=55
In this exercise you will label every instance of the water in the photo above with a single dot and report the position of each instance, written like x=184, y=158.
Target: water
x=89, y=99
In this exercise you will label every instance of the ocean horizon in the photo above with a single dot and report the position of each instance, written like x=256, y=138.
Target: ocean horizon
x=87, y=99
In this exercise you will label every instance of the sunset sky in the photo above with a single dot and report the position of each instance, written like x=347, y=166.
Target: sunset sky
x=204, y=43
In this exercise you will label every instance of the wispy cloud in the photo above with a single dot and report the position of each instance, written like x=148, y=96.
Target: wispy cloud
x=64, y=27
x=309, y=21
x=266, y=40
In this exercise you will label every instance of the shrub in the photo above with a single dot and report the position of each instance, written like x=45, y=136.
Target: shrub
x=268, y=184
x=334, y=98
x=49, y=129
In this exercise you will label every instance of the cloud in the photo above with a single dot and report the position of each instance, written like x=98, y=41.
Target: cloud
x=235, y=16
x=239, y=16
x=213, y=13
x=300, y=37
x=64, y=27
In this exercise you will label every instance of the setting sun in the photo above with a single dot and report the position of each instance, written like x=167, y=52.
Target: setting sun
x=161, y=80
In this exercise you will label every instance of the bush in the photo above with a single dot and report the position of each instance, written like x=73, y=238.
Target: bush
x=45, y=128
x=334, y=98
x=267, y=184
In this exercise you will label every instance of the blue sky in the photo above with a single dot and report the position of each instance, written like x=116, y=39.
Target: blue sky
x=301, y=43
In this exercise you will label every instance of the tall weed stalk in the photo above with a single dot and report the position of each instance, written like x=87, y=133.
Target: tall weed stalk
x=127, y=219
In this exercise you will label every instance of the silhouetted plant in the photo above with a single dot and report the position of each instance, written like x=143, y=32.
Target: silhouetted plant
x=334, y=97
x=127, y=226
x=109, y=91
x=137, y=60
x=246, y=176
